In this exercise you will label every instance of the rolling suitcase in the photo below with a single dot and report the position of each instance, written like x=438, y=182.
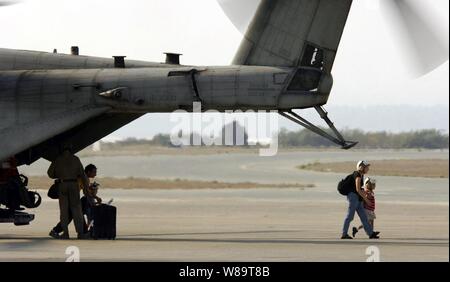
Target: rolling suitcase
x=104, y=222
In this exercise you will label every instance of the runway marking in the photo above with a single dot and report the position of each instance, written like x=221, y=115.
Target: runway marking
x=187, y=237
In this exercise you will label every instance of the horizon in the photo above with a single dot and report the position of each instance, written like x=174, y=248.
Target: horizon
x=115, y=139
x=432, y=117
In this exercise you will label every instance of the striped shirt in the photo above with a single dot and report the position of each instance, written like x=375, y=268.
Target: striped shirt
x=371, y=205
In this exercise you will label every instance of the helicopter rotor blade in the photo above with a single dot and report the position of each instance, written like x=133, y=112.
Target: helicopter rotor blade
x=423, y=43
x=240, y=12
x=425, y=47
x=8, y=2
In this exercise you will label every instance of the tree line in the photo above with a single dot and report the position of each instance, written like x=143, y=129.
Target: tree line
x=425, y=139
x=421, y=139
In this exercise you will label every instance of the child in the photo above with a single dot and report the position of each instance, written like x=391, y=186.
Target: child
x=369, y=189
x=90, y=198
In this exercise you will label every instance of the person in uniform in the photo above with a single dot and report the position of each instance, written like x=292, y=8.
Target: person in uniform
x=91, y=173
x=67, y=169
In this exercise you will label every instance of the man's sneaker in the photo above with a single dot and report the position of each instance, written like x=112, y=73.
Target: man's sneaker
x=346, y=237
x=375, y=235
x=354, y=232
x=54, y=235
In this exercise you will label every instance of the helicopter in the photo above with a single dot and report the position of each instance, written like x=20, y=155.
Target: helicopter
x=284, y=64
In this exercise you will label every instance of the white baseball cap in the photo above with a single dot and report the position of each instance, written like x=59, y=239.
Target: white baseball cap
x=362, y=164
x=369, y=180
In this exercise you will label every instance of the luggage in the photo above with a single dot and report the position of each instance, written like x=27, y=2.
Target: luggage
x=16, y=217
x=104, y=222
x=53, y=192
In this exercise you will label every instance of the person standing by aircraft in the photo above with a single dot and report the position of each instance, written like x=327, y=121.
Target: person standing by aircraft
x=356, y=200
x=67, y=169
x=91, y=172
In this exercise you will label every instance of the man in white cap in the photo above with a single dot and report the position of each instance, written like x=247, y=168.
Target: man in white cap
x=356, y=200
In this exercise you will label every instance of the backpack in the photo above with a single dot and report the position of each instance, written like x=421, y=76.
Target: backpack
x=347, y=185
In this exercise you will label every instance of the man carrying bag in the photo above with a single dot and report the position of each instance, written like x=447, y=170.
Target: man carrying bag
x=67, y=169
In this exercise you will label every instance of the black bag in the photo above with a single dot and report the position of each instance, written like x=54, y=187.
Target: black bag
x=53, y=192
x=347, y=185
x=104, y=222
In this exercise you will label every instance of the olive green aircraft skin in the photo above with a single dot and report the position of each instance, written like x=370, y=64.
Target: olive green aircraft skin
x=284, y=63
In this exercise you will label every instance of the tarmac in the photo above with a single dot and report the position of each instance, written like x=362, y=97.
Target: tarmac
x=247, y=225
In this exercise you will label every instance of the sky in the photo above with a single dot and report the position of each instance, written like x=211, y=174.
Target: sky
x=369, y=70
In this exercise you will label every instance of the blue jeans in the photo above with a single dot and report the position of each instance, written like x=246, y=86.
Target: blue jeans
x=355, y=205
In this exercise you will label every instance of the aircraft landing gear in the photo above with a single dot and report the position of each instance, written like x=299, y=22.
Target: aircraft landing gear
x=16, y=217
x=13, y=195
x=337, y=139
